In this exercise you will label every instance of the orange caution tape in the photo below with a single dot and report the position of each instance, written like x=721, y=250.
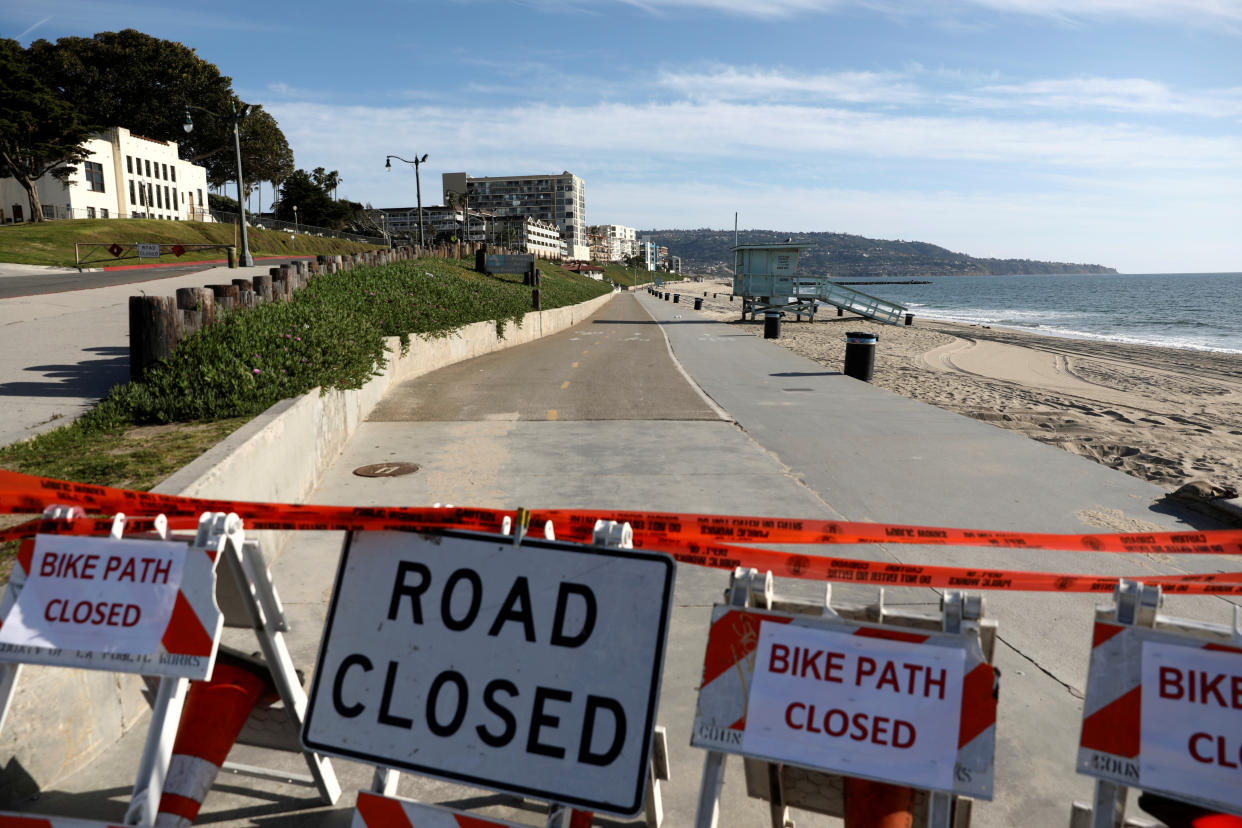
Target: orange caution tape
x=702, y=540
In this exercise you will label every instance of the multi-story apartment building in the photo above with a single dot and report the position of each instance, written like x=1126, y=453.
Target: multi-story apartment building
x=126, y=176
x=557, y=199
x=600, y=251
x=621, y=241
x=647, y=250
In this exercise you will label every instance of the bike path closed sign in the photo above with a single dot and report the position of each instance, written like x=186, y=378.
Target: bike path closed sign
x=533, y=669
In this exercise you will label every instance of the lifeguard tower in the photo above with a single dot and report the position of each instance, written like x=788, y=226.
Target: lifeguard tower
x=765, y=276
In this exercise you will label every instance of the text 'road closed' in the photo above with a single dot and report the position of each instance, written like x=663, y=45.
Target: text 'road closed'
x=532, y=669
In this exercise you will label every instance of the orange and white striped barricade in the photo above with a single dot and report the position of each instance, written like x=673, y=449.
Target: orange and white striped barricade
x=818, y=696
x=122, y=605
x=1163, y=710
x=522, y=665
x=376, y=811
x=248, y=598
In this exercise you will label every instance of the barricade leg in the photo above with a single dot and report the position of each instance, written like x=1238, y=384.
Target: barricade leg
x=877, y=804
x=211, y=721
x=708, y=813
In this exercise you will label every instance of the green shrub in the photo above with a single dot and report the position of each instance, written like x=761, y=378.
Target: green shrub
x=331, y=335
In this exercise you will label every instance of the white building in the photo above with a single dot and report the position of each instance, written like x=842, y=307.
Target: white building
x=125, y=176
x=559, y=199
x=622, y=241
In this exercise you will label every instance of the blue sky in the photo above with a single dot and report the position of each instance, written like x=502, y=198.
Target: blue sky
x=1101, y=131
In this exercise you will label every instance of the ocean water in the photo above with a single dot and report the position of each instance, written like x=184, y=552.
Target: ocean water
x=1201, y=311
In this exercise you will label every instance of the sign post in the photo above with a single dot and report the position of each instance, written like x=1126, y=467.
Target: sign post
x=533, y=670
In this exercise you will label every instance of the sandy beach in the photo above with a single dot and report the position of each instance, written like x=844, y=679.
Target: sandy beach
x=1167, y=415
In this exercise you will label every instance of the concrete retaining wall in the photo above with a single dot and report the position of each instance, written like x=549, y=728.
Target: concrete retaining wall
x=62, y=719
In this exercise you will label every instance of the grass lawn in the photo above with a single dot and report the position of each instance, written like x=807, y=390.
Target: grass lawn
x=51, y=242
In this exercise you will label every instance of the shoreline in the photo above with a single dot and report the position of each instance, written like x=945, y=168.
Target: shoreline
x=1163, y=414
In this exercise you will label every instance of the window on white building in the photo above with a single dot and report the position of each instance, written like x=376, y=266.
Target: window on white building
x=94, y=176
x=173, y=170
x=90, y=212
x=103, y=212
x=129, y=164
x=148, y=168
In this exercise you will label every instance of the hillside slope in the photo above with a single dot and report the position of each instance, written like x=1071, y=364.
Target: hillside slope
x=842, y=255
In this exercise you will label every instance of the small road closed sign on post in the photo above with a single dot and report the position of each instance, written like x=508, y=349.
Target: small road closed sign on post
x=531, y=669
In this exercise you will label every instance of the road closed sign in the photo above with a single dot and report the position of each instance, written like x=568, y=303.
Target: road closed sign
x=859, y=706
x=531, y=669
x=123, y=605
x=910, y=707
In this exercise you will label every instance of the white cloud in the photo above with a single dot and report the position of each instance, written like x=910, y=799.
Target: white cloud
x=1129, y=95
x=1183, y=12
x=756, y=83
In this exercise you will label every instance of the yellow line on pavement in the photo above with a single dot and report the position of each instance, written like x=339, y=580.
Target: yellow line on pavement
x=551, y=413
x=564, y=385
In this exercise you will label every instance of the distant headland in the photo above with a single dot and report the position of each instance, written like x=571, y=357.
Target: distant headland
x=844, y=256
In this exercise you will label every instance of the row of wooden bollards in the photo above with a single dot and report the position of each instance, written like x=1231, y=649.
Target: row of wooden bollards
x=157, y=324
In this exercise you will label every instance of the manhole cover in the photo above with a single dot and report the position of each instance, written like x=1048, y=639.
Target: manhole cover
x=386, y=469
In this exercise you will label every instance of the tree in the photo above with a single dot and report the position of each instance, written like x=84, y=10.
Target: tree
x=315, y=206
x=265, y=152
x=40, y=133
x=143, y=83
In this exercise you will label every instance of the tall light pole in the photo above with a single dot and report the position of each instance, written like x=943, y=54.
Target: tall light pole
x=246, y=260
x=418, y=187
x=295, y=218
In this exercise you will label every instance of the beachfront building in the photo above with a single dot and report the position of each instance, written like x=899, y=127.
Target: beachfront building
x=439, y=221
x=647, y=250
x=598, y=243
x=558, y=199
x=531, y=235
x=620, y=241
x=125, y=176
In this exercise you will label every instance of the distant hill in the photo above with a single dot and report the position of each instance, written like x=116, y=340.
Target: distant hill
x=842, y=255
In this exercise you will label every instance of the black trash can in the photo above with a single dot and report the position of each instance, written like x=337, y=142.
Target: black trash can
x=860, y=355
x=772, y=324
x=909, y=319
x=667, y=296
x=676, y=298
x=698, y=303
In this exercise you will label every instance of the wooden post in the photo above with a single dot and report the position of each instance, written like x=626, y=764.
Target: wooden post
x=243, y=284
x=280, y=287
x=226, y=295
x=535, y=302
x=196, y=309
x=152, y=332
x=263, y=287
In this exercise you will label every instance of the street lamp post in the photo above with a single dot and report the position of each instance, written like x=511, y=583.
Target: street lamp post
x=295, y=218
x=418, y=187
x=246, y=260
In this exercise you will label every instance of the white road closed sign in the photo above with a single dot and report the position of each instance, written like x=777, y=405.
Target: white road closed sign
x=123, y=605
x=532, y=669
x=860, y=706
x=1192, y=723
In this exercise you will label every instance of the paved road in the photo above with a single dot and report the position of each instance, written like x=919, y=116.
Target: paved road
x=615, y=368
x=34, y=280
x=801, y=441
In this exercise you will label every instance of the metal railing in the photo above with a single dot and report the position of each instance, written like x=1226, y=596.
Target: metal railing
x=290, y=227
x=860, y=303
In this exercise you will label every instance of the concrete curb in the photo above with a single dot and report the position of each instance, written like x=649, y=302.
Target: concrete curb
x=61, y=719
